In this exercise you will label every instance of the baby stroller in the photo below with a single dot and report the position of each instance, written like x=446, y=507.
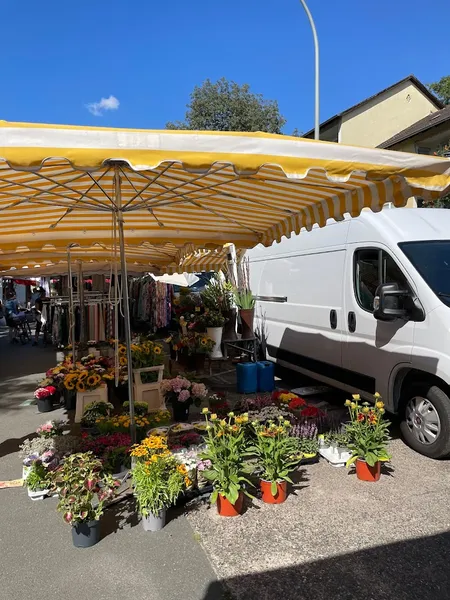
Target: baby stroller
x=19, y=328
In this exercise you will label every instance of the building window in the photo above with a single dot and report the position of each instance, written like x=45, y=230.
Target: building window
x=423, y=150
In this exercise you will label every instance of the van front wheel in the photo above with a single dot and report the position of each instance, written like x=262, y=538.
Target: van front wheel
x=425, y=423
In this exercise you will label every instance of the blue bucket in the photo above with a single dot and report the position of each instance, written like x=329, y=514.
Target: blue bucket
x=266, y=376
x=247, y=378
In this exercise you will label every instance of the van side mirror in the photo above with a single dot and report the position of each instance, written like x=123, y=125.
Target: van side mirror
x=387, y=304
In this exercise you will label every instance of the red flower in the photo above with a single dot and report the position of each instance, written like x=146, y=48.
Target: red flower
x=360, y=417
x=297, y=403
x=312, y=411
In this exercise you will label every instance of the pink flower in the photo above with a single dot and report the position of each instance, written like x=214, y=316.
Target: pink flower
x=184, y=395
x=199, y=390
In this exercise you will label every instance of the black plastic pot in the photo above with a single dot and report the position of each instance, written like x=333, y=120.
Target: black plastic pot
x=86, y=534
x=180, y=411
x=45, y=404
x=70, y=399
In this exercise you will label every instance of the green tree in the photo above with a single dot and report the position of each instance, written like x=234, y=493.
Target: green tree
x=442, y=89
x=444, y=201
x=228, y=106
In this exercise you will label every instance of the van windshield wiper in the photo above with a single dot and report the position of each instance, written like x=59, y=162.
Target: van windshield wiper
x=443, y=295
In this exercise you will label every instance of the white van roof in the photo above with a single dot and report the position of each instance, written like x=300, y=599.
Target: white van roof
x=404, y=224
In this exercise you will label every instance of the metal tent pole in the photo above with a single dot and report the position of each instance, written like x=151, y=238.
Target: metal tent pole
x=81, y=296
x=71, y=307
x=126, y=305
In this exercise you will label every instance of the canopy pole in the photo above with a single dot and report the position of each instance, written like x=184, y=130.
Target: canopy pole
x=71, y=307
x=316, y=71
x=126, y=305
x=81, y=297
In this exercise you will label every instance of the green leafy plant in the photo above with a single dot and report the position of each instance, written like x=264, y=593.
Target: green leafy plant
x=225, y=451
x=368, y=432
x=212, y=318
x=218, y=295
x=276, y=452
x=308, y=446
x=244, y=299
x=94, y=411
x=82, y=487
x=158, y=482
x=140, y=408
x=37, y=478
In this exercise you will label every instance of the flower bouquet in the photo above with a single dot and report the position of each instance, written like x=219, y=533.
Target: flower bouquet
x=45, y=397
x=181, y=393
x=51, y=429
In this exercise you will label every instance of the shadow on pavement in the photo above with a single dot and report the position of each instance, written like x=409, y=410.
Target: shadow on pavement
x=410, y=570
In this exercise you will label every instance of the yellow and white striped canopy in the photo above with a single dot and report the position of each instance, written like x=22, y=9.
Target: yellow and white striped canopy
x=60, y=184
x=92, y=267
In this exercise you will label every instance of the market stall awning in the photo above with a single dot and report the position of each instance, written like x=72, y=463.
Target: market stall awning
x=60, y=184
x=61, y=268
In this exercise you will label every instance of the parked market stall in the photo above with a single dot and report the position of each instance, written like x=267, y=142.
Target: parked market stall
x=63, y=184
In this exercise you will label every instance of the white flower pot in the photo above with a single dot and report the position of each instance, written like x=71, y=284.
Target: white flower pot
x=38, y=494
x=215, y=333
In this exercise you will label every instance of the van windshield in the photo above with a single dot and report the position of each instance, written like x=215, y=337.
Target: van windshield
x=432, y=260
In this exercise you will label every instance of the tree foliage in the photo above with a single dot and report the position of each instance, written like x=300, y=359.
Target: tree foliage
x=442, y=89
x=227, y=106
x=444, y=201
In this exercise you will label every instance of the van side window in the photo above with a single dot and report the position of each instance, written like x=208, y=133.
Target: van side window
x=373, y=267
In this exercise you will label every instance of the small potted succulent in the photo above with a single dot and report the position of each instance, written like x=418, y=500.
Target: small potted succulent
x=83, y=488
x=277, y=454
x=368, y=433
x=45, y=397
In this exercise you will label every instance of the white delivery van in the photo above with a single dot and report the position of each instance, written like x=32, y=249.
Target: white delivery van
x=364, y=305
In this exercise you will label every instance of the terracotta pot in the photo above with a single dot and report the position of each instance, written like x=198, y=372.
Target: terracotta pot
x=266, y=490
x=226, y=509
x=367, y=473
x=229, y=329
x=247, y=317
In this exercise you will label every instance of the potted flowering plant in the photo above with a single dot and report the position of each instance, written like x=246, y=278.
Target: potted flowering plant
x=51, y=429
x=157, y=483
x=181, y=393
x=140, y=408
x=83, y=488
x=225, y=451
x=277, y=454
x=94, y=411
x=213, y=321
x=45, y=396
x=37, y=480
x=368, y=435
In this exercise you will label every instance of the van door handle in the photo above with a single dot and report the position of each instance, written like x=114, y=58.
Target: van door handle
x=333, y=319
x=351, y=321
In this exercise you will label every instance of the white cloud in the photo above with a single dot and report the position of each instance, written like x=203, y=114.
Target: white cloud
x=97, y=108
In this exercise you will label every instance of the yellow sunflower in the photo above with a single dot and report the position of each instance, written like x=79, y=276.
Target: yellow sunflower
x=92, y=380
x=157, y=350
x=69, y=384
x=122, y=361
x=80, y=386
x=82, y=376
x=203, y=342
x=122, y=349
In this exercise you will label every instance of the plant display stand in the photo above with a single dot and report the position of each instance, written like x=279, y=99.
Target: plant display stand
x=150, y=393
x=84, y=398
x=337, y=457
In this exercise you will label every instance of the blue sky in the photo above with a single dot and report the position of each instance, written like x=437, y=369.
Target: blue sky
x=57, y=57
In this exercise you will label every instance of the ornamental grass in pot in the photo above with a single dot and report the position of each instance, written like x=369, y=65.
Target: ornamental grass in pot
x=225, y=453
x=83, y=489
x=158, y=480
x=277, y=455
x=368, y=435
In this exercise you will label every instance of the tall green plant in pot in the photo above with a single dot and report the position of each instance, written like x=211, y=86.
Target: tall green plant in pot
x=218, y=295
x=225, y=455
x=245, y=301
x=83, y=489
x=214, y=321
x=368, y=435
x=277, y=454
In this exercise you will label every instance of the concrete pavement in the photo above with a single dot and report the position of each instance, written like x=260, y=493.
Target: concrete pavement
x=38, y=560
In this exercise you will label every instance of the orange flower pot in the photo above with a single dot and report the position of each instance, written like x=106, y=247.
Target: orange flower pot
x=226, y=509
x=268, y=497
x=367, y=473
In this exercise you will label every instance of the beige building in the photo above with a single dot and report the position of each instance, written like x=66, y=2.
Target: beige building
x=382, y=116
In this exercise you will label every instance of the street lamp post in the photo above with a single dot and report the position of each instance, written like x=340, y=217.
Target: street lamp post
x=316, y=68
